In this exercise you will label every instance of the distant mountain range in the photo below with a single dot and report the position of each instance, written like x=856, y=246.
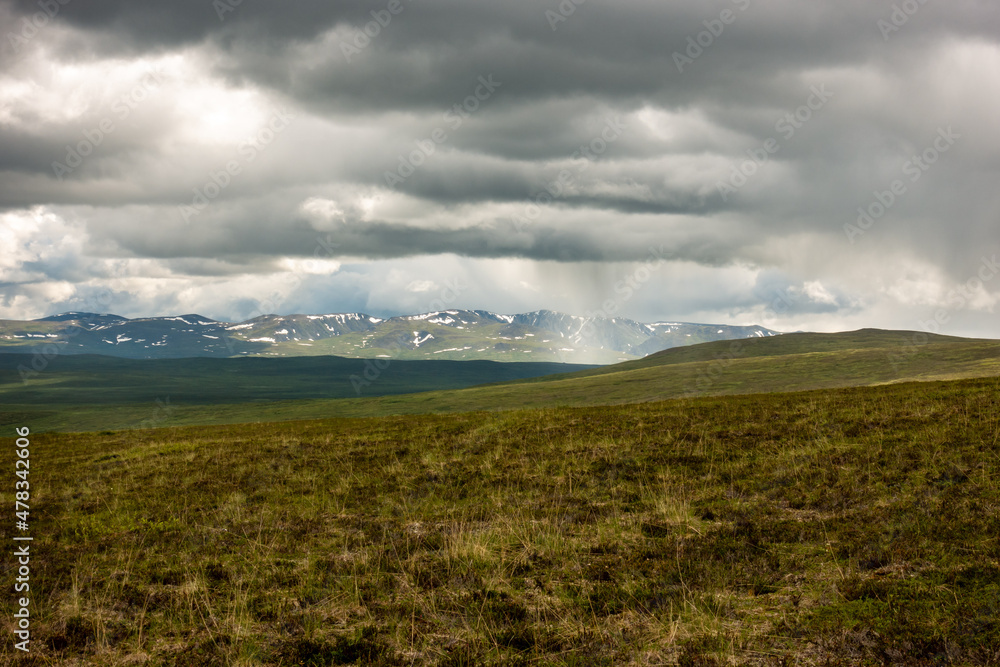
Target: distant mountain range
x=450, y=334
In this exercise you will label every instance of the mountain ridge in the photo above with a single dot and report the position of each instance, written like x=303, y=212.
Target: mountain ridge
x=455, y=334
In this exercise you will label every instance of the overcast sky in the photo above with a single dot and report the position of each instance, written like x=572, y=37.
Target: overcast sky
x=693, y=161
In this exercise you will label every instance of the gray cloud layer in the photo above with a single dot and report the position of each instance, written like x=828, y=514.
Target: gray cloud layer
x=637, y=130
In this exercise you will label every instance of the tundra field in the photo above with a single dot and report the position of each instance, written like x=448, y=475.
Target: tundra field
x=840, y=526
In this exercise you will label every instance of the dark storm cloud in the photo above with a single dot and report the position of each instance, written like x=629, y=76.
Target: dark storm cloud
x=430, y=51
x=506, y=239
x=692, y=116
x=246, y=234
x=129, y=27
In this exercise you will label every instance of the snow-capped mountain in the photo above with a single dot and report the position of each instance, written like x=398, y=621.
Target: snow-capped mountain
x=448, y=334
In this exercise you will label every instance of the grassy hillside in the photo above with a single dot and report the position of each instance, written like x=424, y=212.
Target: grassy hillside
x=895, y=347
x=98, y=379
x=790, y=362
x=126, y=391
x=835, y=527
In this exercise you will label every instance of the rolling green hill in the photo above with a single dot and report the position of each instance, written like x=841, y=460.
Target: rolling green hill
x=96, y=379
x=113, y=399
x=110, y=388
x=838, y=527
